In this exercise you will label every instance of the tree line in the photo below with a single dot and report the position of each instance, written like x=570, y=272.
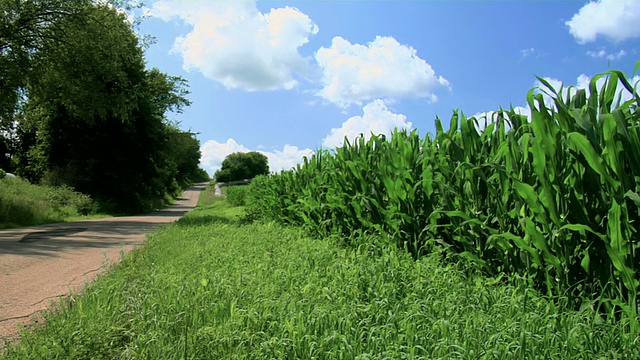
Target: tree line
x=78, y=107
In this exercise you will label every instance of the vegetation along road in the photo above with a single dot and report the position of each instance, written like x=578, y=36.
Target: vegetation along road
x=43, y=263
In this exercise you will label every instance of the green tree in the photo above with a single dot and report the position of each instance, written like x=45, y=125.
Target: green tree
x=25, y=25
x=239, y=166
x=81, y=109
x=94, y=118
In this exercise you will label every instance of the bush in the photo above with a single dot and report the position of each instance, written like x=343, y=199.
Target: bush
x=23, y=204
x=236, y=195
x=64, y=197
x=2, y=174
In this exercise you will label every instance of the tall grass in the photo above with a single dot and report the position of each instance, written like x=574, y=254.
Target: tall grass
x=208, y=195
x=553, y=198
x=212, y=287
x=22, y=203
x=236, y=195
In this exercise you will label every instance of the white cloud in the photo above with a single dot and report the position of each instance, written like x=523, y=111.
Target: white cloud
x=235, y=44
x=376, y=119
x=286, y=159
x=214, y=153
x=383, y=69
x=603, y=54
x=616, y=20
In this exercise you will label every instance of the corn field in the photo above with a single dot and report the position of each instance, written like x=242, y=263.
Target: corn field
x=554, y=198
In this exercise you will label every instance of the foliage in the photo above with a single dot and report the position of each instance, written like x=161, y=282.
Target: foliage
x=92, y=117
x=554, y=199
x=200, y=175
x=240, y=166
x=208, y=196
x=236, y=195
x=210, y=287
x=23, y=204
x=24, y=27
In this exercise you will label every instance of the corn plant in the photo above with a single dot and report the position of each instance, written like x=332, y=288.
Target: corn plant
x=554, y=196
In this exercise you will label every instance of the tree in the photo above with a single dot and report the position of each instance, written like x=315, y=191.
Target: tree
x=25, y=26
x=239, y=166
x=94, y=117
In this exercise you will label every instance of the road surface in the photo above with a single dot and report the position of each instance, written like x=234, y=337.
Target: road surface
x=43, y=263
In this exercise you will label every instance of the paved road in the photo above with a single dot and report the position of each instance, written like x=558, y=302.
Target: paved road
x=42, y=263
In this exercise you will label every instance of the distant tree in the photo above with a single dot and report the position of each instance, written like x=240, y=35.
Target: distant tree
x=239, y=166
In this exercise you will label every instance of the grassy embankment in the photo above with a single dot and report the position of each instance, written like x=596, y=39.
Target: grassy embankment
x=214, y=287
x=24, y=204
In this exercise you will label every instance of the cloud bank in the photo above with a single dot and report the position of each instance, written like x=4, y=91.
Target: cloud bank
x=235, y=44
x=376, y=118
x=382, y=69
x=616, y=20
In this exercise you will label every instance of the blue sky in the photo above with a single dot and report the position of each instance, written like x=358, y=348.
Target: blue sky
x=288, y=77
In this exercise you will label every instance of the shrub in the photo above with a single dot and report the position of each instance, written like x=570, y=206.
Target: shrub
x=22, y=203
x=236, y=195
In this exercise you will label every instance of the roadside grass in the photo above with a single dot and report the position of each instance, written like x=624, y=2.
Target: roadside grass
x=212, y=286
x=24, y=204
x=208, y=195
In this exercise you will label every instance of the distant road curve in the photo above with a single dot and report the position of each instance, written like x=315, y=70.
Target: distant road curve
x=39, y=264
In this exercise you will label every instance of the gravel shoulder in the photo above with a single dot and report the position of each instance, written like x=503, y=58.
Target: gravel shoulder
x=41, y=264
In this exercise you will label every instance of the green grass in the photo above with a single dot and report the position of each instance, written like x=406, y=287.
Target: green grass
x=213, y=287
x=208, y=195
x=23, y=204
x=236, y=194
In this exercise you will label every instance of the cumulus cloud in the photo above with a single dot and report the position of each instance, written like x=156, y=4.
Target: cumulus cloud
x=603, y=54
x=616, y=20
x=233, y=43
x=382, y=69
x=376, y=119
x=214, y=153
x=286, y=158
